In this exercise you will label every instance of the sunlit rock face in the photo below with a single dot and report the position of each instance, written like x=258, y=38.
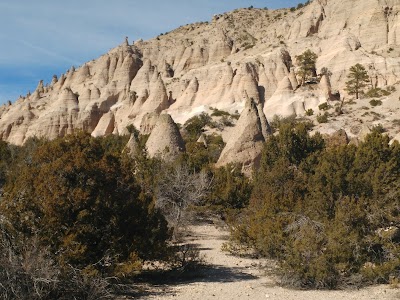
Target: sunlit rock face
x=245, y=143
x=165, y=140
x=244, y=54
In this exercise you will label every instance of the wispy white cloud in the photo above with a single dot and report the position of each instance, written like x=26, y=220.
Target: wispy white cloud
x=49, y=52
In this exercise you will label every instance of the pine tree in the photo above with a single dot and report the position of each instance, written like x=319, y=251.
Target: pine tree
x=358, y=79
x=306, y=62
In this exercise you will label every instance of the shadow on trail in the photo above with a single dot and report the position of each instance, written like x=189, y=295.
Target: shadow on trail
x=166, y=283
x=162, y=283
x=203, y=273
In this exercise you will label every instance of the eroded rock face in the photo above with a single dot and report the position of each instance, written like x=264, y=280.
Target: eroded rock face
x=244, y=145
x=105, y=126
x=148, y=123
x=165, y=139
x=247, y=53
x=132, y=147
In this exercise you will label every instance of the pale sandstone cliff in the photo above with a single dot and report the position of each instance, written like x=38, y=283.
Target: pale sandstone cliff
x=245, y=142
x=247, y=53
x=165, y=140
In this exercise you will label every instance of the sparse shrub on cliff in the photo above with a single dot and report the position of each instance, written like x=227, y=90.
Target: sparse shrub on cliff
x=377, y=93
x=375, y=102
x=194, y=126
x=324, y=106
x=391, y=89
x=247, y=45
x=219, y=113
x=322, y=118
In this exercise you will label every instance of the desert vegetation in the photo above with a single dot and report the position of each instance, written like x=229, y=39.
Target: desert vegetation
x=329, y=215
x=91, y=215
x=306, y=62
x=358, y=80
x=79, y=215
x=77, y=207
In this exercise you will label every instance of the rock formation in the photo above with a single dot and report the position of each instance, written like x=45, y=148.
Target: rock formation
x=148, y=123
x=246, y=53
x=245, y=143
x=202, y=140
x=132, y=147
x=165, y=139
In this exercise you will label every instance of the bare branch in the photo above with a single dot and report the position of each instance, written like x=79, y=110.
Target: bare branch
x=179, y=190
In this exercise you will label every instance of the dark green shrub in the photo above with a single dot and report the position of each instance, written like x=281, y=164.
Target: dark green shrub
x=85, y=205
x=324, y=106
x=278, y=121
x=194, y=126
x=309, y=112
x=377, y=93
x=230, y=189
x=198, y=156
x=226, y=121
x=375, y=102
x=379, y=128
x=322, y=118
x=5, y=160
x=325, y=213
x=219, y=113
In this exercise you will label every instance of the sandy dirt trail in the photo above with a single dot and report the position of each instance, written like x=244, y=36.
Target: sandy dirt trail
x=228, y=277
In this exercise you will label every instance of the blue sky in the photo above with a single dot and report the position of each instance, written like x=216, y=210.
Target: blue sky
x=45, y=37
